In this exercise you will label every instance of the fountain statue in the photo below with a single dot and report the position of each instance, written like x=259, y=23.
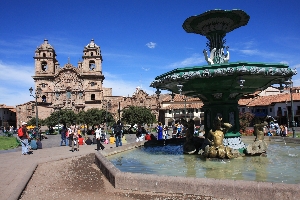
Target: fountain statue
x=259, y=146
x=220, y=84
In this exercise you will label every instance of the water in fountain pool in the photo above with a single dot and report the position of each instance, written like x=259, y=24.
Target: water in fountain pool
x=281, y=164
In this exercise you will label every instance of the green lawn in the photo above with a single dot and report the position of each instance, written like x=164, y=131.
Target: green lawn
x=8, y=143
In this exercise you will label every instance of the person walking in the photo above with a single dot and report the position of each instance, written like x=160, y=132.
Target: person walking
x=63, y=132
x=75, y=137
x=118, y=130
x=23, y=135
x=159, y=131
x=98, y=137
x=166, y=130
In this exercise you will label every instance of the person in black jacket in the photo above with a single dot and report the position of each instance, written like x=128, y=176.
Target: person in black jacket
x=118, y=130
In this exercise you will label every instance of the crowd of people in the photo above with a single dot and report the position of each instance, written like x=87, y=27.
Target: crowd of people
x=273, y=129
x=71, y=136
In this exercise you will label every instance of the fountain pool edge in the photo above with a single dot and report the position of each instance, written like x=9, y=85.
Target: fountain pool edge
x=228, y=189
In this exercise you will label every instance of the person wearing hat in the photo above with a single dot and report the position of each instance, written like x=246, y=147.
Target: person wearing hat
x=24, y=139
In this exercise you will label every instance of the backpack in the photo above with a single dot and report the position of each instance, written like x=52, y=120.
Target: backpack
x=20, y=132
x=118, y=129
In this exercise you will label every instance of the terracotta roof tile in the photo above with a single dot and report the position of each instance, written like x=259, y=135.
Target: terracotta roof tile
x=182, y=106
x=268, y=100
x=180, y=98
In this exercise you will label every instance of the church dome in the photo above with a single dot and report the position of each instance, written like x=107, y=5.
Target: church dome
x=45, y=45
x=92, y=44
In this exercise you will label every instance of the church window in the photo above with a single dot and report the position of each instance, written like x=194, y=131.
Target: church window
x=44, y=66
x=43, y=85
x=80, y=95
x=44, y=55
x=50, y=54
x=92, y=53
x=92, y=65
x=92, y=96
x=93, y=83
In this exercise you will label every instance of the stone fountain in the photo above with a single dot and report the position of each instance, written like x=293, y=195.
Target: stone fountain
x=220, y=84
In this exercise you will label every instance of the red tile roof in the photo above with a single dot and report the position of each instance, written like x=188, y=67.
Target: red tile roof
x=268, y=100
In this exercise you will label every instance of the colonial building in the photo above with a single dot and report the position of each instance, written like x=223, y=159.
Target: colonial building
x=7, y=116
x=75, y=87
x=176, y=107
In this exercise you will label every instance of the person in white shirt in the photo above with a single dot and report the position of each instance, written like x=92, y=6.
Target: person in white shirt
x=98, y=136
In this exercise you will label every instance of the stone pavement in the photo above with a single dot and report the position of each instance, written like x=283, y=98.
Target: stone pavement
x=17, y=169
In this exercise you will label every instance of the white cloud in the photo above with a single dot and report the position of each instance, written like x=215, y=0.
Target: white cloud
x=145, y=69
x=151, y=45
x=124, y=88
x=295, y=66
x=15, y=81
x=250, y=52
x=195, y=59
x=284, y=62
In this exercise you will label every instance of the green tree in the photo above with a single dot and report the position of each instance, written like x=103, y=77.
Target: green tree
x=95, y=116
x=61, y=116
x=137, y=115
x=32, y=121
x=245, y=120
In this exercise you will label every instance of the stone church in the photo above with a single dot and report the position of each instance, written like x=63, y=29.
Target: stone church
x=75, y=87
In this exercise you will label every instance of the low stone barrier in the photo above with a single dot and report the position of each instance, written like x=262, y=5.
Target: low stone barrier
x=207, y=187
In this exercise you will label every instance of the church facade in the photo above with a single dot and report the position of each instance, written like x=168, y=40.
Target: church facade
x=75, y=87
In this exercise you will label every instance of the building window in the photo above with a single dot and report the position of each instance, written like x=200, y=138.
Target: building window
x=170, y=111
x=93, y=83
x=92, y=53
x=44, y=66
x=68, y=95
x=271, y=109
x=243, y=110
x=92, y=96
x=279, y=108
x=44, y=55
x=92, y=65
x=44, y=99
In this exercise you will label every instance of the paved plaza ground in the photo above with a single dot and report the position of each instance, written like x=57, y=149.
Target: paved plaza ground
x=55, y=172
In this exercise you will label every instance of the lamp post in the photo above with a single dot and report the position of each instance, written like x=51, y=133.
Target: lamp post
x=185, y=108
x=290, y=83
x=119, y=112
x=107, y=105
x=57, y=93
x=36, y=96
x=287, y=114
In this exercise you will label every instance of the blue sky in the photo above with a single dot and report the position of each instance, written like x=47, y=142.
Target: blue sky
x=139, y=39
